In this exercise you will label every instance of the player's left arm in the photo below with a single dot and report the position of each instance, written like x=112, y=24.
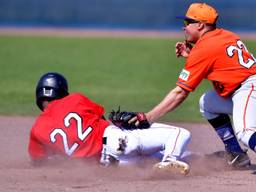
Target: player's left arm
x=182, y=49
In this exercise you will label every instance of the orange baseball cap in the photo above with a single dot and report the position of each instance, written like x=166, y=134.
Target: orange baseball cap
x=201, y=12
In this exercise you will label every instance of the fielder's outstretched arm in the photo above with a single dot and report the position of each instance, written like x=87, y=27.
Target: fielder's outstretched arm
x=173, y=99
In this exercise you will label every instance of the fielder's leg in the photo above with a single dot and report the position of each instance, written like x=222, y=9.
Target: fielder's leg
x=244, y=111
x=217, y=110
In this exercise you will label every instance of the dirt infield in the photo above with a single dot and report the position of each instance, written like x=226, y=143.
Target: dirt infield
x=74, y=176
x=80, y=32
x=113, y=33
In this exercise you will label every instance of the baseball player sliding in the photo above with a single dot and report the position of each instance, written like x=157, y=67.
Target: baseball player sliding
x=74, y=126
x=220, y=56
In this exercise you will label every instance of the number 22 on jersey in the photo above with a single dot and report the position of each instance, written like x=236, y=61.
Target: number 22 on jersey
x=231, y=50
x=69, y=150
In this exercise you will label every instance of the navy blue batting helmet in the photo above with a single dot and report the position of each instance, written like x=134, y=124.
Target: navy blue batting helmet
x=51, y=86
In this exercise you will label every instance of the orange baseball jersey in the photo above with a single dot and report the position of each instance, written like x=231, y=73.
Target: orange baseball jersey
x=72, y=126
x=221, y=57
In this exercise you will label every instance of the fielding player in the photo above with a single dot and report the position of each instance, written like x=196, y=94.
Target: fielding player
x=220, y=56
x=74, y=126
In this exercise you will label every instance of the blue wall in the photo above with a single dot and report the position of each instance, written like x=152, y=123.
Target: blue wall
x=152, y=14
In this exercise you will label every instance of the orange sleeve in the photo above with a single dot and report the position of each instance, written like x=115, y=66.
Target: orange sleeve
x=196, y=69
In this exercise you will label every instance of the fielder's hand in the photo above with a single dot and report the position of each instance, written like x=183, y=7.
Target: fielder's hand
x=121, y=119
x=182, y=49
x=140, y=120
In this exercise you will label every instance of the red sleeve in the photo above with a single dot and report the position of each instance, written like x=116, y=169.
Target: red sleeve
x=89, y=106
x=36, y=149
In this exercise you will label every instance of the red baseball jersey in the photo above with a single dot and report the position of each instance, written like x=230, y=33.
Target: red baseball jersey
x=72, y=126
x=221, y=57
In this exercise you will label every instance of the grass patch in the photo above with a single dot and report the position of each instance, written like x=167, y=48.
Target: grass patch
x=133, y=73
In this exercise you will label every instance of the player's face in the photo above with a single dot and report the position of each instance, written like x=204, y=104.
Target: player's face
x=191, y=31
x=45, y=104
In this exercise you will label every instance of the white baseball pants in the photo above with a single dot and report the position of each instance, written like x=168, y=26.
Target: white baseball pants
x=241, y=105
x=125, y=145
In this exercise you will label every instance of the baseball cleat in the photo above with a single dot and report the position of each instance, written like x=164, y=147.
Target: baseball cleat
x=237, y=159
x=173, y=166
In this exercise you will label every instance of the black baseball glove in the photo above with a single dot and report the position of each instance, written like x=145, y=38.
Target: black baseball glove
x=121, y=118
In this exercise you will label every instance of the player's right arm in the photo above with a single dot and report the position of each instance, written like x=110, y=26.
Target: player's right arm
x=172, y=100
x=36, y=150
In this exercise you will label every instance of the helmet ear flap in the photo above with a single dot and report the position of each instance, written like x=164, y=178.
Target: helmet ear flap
x=44, y=94
x=51, y=86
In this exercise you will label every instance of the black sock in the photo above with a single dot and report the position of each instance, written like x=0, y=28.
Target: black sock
x=223, y=127
x=252, y=142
